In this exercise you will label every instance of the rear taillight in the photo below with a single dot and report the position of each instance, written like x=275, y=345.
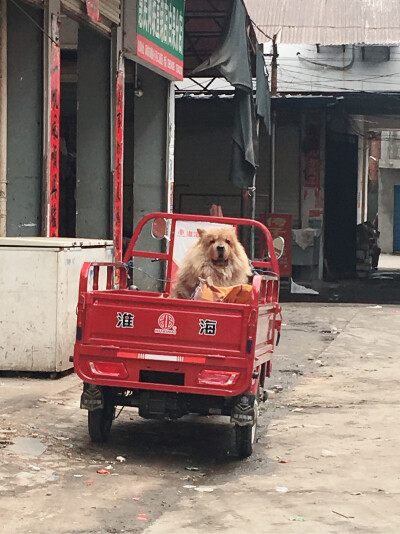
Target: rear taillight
x=113, y=369
x=209, y=377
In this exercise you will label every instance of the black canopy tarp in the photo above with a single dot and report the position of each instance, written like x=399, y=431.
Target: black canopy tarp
x=244, y=159
x=232, y=60
x=231, y=57
x=263, y=96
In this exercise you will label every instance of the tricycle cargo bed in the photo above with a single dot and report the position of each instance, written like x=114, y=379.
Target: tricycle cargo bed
x=135, y=339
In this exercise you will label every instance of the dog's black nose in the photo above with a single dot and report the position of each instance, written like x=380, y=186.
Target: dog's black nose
x=220, y=249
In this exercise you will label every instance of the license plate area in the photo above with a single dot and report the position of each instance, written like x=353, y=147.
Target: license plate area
x=162, y=377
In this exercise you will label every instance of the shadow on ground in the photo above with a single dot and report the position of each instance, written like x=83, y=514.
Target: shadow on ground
x=205, y=441
x=380, y=287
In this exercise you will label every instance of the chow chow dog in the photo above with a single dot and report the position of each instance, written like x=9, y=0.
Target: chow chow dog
x=217, y=255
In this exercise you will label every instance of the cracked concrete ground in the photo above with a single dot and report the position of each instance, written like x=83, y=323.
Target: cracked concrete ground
x=326, y=459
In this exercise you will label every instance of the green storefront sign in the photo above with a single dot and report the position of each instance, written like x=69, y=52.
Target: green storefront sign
x=160, y=25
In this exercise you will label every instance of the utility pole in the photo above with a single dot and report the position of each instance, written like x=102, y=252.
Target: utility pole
x=3, y=117
x=274, y=92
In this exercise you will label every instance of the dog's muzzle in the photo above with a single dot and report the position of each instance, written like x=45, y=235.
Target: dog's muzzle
x=220, y=262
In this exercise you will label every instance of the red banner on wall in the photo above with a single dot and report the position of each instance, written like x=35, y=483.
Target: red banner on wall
x=93, y=9
x=280, y=224
x=54, y=184
x=119, y=157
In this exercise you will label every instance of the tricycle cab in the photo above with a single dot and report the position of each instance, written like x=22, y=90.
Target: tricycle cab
x=169, y=356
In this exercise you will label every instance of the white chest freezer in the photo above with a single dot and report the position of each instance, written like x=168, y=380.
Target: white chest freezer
x=39, y=279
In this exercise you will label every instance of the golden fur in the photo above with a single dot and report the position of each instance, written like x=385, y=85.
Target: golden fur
x=218, y=255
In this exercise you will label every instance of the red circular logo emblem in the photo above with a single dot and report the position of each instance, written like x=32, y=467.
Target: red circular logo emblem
x=166, y=321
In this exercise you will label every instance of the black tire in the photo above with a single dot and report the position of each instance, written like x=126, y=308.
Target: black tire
x=100, y=421
x=244, y=443
x=246, y=435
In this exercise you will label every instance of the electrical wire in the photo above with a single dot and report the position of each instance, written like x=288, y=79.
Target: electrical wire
x=326, y=65
x=260, y=30
x=338, y=58
x=129, y=265
x=34, y=22
x=294, y=62
x=329, y=78
x=332, y=87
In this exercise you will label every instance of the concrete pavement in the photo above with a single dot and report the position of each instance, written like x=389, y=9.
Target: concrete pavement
x=326, y=460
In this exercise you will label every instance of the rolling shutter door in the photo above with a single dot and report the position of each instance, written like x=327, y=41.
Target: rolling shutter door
x=38, y=3
x=110, y=13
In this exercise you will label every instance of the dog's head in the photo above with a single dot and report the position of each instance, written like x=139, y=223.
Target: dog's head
x=218, y=244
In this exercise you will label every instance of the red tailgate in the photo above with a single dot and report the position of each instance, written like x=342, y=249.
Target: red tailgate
x=128, y=319
x=126, y=334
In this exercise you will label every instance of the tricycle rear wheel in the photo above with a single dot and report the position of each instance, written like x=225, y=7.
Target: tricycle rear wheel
x=246, y=435
x=100, y=421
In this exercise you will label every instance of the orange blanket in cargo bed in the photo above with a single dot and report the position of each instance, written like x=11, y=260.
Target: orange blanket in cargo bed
x=207, y=291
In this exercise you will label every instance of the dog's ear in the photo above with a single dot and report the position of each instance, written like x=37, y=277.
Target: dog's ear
x=233, y=233
x=201, y=232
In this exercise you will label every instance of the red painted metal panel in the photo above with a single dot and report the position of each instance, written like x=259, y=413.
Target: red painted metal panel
x=54, y=183
x=93, y=9
x=118, y=172
x=271, y=263
x=191, y=371
x=169, y=324
x=280, y=224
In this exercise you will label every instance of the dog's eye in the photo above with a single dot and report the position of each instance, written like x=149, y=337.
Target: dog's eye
x=212, y=241
x=227, y=241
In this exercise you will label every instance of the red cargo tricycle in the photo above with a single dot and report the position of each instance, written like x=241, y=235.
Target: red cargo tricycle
x=171, y=357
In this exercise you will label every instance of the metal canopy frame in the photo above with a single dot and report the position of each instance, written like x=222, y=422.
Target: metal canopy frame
x=205, y=24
